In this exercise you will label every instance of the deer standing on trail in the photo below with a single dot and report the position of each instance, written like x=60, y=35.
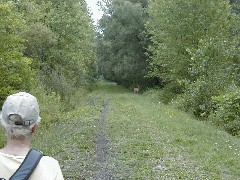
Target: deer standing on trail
x=136, y=89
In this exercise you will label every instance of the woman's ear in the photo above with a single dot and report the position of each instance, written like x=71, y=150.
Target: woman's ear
x=34, y=128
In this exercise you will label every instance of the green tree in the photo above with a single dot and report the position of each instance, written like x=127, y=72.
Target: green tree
x=59, y=39
x=16, y=73
x=194, y=43
x=121, y=43
x=73, y=54
x=39, y=38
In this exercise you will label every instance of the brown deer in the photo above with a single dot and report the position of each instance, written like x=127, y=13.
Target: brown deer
x=136, y=89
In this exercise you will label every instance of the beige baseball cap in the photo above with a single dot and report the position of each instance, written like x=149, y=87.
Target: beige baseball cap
x=23, y=104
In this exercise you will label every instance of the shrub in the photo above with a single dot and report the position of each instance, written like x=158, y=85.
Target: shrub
x=227, y=111
x=50, y=104
x=170, y=91
x=197, y=98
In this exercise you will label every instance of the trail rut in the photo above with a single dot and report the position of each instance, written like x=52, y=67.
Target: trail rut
x=103, y=149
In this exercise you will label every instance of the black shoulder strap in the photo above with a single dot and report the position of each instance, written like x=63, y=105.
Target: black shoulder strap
x=28, y=165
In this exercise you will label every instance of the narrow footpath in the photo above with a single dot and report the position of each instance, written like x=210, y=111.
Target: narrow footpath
x=104, y=172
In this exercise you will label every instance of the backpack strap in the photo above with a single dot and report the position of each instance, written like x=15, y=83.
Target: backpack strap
x=28, y=165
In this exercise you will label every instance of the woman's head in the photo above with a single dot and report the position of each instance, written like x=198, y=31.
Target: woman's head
x=20, y=113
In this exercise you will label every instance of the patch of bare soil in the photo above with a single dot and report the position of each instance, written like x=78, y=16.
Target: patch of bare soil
x=103, y=169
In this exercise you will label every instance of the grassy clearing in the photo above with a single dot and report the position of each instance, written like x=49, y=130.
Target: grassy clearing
x=154, y=141
x=148, y=140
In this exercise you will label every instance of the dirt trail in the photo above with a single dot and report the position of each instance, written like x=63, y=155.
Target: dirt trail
x=103, y=171
x=86, y=148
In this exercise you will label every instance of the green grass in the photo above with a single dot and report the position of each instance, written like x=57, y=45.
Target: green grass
x=72, y=140
x=148, y=140
x=155, y=141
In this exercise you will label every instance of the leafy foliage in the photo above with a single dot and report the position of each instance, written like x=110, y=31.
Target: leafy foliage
x=16, y=73
x=193, y=42
x=51, y=106
x=227, y=110
x=70, y=61
x=39, y=40
x=121, y=43
x=59, y=39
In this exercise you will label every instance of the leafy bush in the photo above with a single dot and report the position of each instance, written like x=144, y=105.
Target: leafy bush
x=170, y=91
x=56, y=81
x=197, y=98
x=227, y=111
x=50, y=104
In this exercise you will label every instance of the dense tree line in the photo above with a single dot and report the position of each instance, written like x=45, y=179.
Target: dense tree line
x=45, y=41
x=191, y=47
x=121, y=46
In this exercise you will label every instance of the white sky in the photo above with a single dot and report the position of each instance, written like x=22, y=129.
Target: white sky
x=96, y=13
